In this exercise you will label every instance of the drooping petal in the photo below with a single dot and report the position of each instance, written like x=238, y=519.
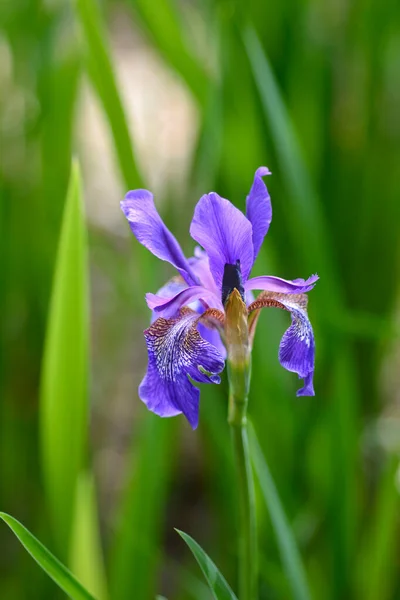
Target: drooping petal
x=297, y=347
x=308, y=388
x=169, y=306
x=149, y=229
x=211, y=328
x=175, y=285
x=270, y=283
x=259, y=209
x=176, y=352
x=169, y=290
x=224, y=233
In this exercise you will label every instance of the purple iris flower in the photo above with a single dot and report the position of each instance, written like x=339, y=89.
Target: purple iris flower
x=185, y=339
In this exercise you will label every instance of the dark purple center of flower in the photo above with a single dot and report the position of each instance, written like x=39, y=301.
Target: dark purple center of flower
x=232, y=279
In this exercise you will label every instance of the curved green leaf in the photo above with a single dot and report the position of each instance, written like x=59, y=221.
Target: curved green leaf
x=216, y=581
x=47, y=561
x=287, y=545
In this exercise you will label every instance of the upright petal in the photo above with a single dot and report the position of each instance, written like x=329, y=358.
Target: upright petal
x=224, y=233
x=297, y=347
x=270, y=283
x=149, y=229
x=259, y=209
x=176, y=352
x=201, y=268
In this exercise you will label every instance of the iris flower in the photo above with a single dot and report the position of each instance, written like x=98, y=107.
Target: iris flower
x=185, y=342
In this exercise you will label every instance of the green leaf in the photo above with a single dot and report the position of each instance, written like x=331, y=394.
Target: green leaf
x=303, y=205
x=64, y=398
x=141, y=515
x=86, y=559
x=47, y=561
x=216, y=581
x=287, y=545
x=377, y=559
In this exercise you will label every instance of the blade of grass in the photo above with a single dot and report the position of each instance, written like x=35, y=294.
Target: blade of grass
x=100, y=68
x=47, y=561
x=218, y=585
x=86, y=558
x=305, y=212
x=286, y=542
x=63, y=393
x=137, y=543
x=377, y=566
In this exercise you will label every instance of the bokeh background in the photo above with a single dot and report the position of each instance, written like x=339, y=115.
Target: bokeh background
x=185, y=97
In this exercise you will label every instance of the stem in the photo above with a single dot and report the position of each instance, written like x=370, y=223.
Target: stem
x=247, y=528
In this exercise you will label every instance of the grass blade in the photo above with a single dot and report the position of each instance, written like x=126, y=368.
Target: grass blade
x=287, y=545
x=47, y=561
x=86, y=559
x=137, y=543
x=306, y=214
x=218, y=584
x=63, y=402
x=377, y=566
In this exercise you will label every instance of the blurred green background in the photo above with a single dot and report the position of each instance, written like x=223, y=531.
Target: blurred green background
x=184, y=98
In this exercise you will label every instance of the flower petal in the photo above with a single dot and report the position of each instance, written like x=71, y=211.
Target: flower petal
x=297, y=347
x=213, y=337
x=169, y=290
x=176, y=352
x=169, y=306
x=283, y=286
x=224, y=233
x=149, y=229
x=259, y=209
x=201, y=268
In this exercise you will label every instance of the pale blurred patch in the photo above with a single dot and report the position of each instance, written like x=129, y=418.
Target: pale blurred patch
x=163, y=122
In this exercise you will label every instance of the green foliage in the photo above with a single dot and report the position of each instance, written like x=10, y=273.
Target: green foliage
x=47, y=561
x=310, y=90
x=287, y=546
x=136, y=553
x=101, y=72
x=64, y=386
x=216, y=581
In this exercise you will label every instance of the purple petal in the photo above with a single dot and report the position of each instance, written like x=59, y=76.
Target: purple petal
x=149, y=229
x=213, y=337
x=176, y=352
x=201, y=268
x=308, y=388
x=169, y=290
x=283, y=286
x=259, y=209
x=169, y=306
x=224, y=233
x=297, y=347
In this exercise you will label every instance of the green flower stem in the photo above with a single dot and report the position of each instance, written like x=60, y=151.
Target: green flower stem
x=239, y=370
x=247, y=523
